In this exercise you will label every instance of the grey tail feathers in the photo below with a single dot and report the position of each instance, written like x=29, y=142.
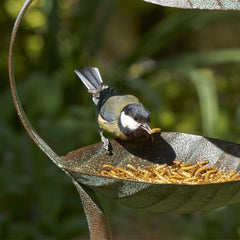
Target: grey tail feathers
x=91, y=78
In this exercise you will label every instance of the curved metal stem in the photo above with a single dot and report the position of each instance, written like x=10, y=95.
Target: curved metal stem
x=26, y=123
x=98, y=225
x=99, y=228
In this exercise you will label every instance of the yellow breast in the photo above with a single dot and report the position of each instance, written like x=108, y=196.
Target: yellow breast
x=111, y=127
x=113, y=107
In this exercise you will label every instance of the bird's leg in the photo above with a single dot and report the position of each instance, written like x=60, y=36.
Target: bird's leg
x=106, y=144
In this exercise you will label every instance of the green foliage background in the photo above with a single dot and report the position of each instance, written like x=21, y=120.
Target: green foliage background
x=183, y=64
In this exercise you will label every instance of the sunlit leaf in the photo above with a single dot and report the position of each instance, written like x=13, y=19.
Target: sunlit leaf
x=199, y=4
x=207, y=93
x=84, y=164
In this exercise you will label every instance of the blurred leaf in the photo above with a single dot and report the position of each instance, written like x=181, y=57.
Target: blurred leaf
x=43, y=93
x=207, y=93
x=223, y=56
x=22, y=231
x=160, y=35
x=200, y=4
x=72, y=225
x=175, y=26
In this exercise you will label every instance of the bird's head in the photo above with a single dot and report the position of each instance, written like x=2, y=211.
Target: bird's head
x=134, y=120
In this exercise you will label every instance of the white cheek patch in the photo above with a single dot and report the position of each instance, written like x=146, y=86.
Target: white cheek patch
x=129, y=122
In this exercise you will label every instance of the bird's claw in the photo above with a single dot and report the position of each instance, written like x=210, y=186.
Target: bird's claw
x=107, y=146
x=106, y=143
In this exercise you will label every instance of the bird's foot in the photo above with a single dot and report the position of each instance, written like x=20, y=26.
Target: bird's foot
x=106, y=143
x=107, y=146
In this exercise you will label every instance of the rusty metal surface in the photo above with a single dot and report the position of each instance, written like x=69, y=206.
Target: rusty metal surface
x=98, y=225
x=200, y=4
x=83, y=164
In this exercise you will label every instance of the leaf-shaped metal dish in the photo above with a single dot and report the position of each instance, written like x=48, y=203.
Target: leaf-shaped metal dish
x=199, y=4
x=85, y=163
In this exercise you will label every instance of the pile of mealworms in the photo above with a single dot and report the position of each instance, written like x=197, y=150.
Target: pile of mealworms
x=178, y=173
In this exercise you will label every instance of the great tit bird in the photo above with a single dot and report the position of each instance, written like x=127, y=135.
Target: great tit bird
x=120, y=114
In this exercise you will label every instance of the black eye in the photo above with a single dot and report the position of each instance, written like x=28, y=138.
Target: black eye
x=136, y=118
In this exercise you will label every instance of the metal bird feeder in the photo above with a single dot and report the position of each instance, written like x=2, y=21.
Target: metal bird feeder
x=82, y=166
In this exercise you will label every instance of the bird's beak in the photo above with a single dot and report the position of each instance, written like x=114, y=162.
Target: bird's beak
x=146, y=127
